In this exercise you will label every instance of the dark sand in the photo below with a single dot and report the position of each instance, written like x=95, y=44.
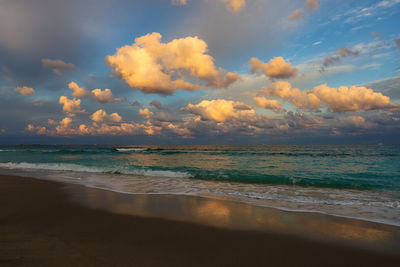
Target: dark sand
x=41, y=226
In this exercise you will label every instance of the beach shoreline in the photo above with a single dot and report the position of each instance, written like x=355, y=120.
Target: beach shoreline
x=52, y=224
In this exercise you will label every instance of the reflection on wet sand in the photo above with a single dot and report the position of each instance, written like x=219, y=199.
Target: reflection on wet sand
x=239, y=216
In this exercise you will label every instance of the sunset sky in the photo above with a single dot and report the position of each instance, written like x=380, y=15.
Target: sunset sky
x=199, y=71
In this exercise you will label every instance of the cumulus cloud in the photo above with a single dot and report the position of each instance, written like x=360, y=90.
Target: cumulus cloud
x=146, y=113
x=102, y=116
x=78, y=91
x=312, y=4
x=276, y=68
x=157, y=104
x=351, y=98
x=340, y=99
x=101, y=96
x=155, y=67
x=39, y=130
x=64, y=127
x=105, y=124
x=57, y=66
x=179, y=2
x=272, y=104
x=220, y=110
x=353, y=122
x=105, y=96
x=24, y=90
x=71, y=106
x=296, y=14
x=234, y=5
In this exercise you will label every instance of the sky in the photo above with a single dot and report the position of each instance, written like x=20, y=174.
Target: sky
x=199, y=72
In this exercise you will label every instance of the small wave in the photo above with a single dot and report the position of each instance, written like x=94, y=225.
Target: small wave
x=49, y=166
x=82, y=168
x=131, y=149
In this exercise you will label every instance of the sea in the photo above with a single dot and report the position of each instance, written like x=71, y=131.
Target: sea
x=355, y=181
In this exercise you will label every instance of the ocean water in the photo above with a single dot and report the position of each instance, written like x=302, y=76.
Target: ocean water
x=358, y=181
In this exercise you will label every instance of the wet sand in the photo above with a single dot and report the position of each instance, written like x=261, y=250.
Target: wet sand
x=46, y=223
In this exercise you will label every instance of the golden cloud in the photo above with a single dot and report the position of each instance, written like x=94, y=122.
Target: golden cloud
x=102, y=116
x=25, y=90
x=340, y=99
x=78, y=91
x=155, y=67
x=234, y=5
x=220, y=110
x=179, y=2
x=40, y=130
x=272, y=104
x=101, y=96
x=105, y=96
x=146, y=113
x=71, y=106
x=276, y=68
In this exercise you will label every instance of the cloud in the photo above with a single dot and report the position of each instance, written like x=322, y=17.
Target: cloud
x=345, y=52
x=234, y=5
x=39, y=130
x=342, y=99
x=353, y=122
x=220, y=110
x=296, y=14
x=157, y=104
x=57, y=66
x=24, y=90
x=276, y=68
x=71, y=106
x=312, y=4
x=342, y=52
x=78, y=91
x=105, y=96
x=351, y=98
x=64, y=127
x=272, y=104
x=146, y=113
x=102, y=116
x=179, y=2
x=101, y=96
x=367, y=12
x=155, y=67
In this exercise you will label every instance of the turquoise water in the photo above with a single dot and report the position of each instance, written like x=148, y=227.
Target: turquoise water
x=304, y=176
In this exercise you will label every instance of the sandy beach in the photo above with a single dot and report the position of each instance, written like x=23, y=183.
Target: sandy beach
x=44, y=223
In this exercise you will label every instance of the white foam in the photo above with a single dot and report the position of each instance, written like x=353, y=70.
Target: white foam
x=81, y=168
x=131, y=149
x=49, y=166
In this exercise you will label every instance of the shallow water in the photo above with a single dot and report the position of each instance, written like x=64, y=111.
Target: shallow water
x=352, y=181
